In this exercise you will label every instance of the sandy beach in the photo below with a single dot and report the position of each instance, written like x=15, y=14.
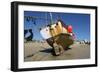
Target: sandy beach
x=37, y=51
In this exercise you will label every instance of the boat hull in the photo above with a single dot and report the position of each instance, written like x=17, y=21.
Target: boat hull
x=65, y=40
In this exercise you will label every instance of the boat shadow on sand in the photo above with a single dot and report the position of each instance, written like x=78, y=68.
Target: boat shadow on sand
x=49, y=50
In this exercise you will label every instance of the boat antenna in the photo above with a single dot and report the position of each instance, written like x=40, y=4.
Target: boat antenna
x=59, y=17
x=51, y=19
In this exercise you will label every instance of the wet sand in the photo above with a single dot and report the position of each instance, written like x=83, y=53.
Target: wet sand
x=36, y=51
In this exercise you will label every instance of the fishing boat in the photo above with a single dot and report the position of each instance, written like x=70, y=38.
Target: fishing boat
x=59, y=36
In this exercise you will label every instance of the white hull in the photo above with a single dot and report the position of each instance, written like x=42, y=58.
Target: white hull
x=45, y=32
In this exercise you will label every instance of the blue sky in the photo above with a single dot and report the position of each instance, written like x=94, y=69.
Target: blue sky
x=80, y=23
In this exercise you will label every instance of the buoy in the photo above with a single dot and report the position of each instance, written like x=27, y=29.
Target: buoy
x=69, y=28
